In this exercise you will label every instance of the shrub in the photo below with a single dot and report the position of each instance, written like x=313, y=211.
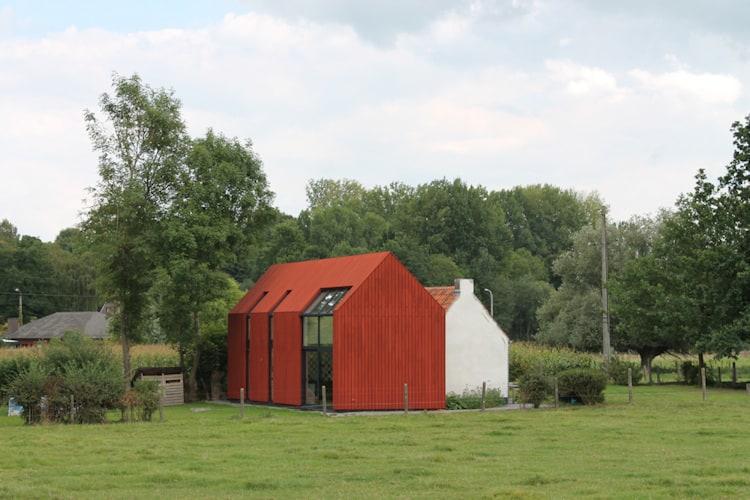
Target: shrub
x=617, y=370
x=535, y=388
x=74, y=381
x=472, y=399
x=691, y=374
x=10, y=368
x=585, y=385
x=142, y=401
x=528, y=357
x=29, y=388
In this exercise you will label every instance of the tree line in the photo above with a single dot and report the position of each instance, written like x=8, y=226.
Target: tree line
x=179, y=226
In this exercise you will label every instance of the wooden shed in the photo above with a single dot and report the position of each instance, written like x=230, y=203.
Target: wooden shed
x=362, y=326
x=170, y=383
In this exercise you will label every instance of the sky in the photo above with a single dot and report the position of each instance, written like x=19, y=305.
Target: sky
x=624, y=99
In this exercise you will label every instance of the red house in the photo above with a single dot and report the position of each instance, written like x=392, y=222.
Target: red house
x=362, y=326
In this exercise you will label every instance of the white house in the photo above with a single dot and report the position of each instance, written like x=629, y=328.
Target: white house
x=476, y=348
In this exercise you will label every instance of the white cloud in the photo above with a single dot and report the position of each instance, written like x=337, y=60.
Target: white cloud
x=498, y=95
x=707, y=87
x=582, y=80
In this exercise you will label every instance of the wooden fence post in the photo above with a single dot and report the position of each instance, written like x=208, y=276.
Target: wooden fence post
x=703, y=381
x=161, y=404
x=242, y=402
x=406, y=398
x=734, y=372
x=630, y=385
x=557, y=394
x=325, y=402
x=747, y=388
x=484, y=394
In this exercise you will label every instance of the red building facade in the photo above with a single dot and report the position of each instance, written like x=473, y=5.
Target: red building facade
x=362, y=326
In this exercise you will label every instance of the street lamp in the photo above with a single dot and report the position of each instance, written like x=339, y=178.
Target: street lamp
x=20, y=307
x=492, y=303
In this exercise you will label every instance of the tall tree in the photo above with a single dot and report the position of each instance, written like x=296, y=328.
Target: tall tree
x=141, y=142
x=222, y=206
x=708, y=245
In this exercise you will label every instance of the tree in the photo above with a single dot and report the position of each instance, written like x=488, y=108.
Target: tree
x=572, y=315
x=221, y=208
x=141, y=143
x=707, y=243
x=647, y=312
x=543, y=218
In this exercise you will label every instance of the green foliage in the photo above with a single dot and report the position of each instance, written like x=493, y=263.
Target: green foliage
x=691, y=373
x=74, y=381
x=617, y=371
x=141, y=143
x=471, y=399
x=531, y=357
x=10, y=368
x=584, y=385
x=142, y=401
x=29, y=388
x=535, y=388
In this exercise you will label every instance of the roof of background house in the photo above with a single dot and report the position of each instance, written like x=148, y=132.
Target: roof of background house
x=445, y=295
x=91, y=323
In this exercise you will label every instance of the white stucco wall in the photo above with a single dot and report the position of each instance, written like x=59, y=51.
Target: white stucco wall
x=476, y=348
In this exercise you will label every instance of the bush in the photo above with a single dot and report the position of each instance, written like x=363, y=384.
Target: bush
x=142, y=401
x=585, y=385
x=10, y=368
x=528, y=357
x=30, y=388
x=535, y=388
x=75, y=381
x=617, y=370
x=691, y=374
x=472, y=399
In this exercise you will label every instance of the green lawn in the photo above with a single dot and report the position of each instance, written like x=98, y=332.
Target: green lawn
x=668, y=444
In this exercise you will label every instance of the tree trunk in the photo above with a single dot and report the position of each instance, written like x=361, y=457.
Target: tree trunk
x=125, y=343
x=646, y=359
x=216, y=377
x=193, y=377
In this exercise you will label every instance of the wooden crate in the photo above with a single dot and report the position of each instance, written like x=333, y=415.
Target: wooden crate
x=170, y=383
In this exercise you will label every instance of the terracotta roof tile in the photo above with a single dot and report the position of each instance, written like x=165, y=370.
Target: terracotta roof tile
x=443, y=294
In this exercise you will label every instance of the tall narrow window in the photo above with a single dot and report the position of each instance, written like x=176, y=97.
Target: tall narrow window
x=317, y=346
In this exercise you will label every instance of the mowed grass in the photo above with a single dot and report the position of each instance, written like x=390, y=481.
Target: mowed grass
x=668, y=444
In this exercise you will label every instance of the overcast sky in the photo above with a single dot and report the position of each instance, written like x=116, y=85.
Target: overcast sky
x=625, y=98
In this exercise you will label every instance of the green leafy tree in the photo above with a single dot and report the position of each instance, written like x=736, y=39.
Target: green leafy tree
x=647, y=310
x=572, y=315
x=707, y=246
x=221, y=208
x=141, y=142
x=543, y=218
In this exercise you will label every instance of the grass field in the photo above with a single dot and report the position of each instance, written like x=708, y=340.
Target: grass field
x=668, y=444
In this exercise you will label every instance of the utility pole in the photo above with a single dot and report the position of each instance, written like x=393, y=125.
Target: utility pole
x=605, y=300
x=20, y=307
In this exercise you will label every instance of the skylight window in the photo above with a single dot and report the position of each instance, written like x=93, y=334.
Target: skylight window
x=325, y=302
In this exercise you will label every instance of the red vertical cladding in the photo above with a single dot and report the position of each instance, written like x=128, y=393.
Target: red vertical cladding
x=258, y=369
x=388, y=333
x=287, y=358
x=236, y=355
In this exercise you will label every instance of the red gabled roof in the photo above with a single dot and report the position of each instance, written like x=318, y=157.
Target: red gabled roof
x=445, y=295
x=291, y=286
